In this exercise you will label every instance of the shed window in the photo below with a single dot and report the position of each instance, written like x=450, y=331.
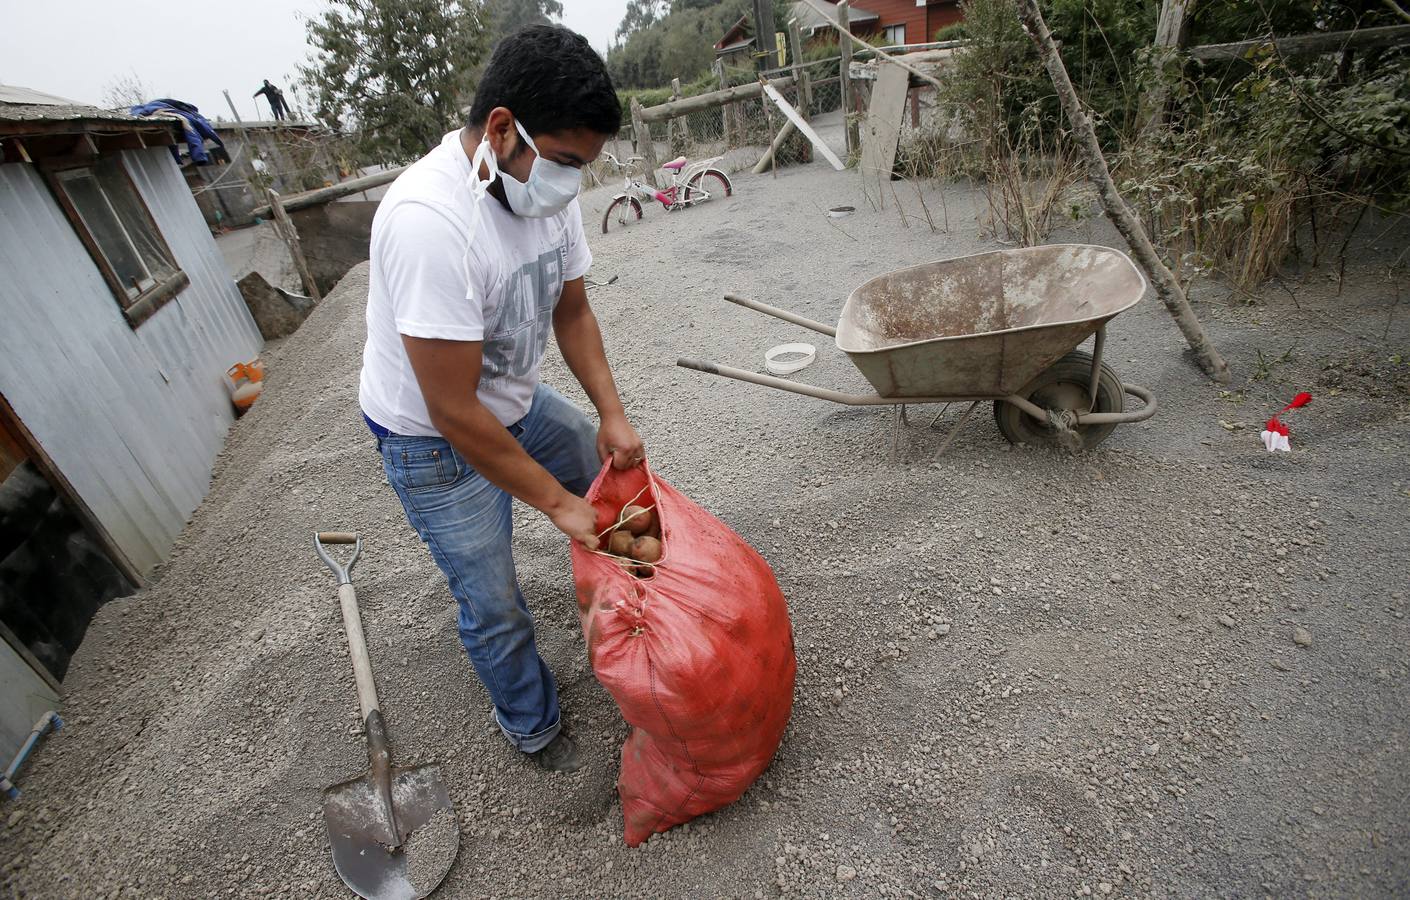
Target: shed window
x=893, y=36
x=117, y=229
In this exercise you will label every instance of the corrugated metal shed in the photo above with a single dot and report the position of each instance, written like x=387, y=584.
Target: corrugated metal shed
x=133, y=418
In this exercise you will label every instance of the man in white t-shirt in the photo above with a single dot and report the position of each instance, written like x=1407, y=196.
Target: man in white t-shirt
x=478, y=254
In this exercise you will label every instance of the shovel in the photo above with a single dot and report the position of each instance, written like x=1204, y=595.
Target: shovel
x=393, y=830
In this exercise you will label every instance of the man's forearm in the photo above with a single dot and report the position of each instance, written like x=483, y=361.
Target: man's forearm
x=580, y=342
x=488, y=446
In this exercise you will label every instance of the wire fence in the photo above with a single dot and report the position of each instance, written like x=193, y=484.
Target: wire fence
x=742, y=131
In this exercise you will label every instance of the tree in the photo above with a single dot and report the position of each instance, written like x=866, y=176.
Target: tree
x=126, y=91
x=395, y=72
x=678, y=45
x=504, y=17
x=641, y=14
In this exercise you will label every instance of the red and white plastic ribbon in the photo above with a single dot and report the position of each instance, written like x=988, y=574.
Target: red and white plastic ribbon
x=1275, y=433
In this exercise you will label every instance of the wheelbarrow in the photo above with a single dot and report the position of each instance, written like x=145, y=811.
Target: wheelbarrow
x=1001, y=326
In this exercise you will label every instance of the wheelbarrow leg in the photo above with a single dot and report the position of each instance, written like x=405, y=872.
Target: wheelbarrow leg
x=898, y=419
x=959, y=423
x=1097, y=347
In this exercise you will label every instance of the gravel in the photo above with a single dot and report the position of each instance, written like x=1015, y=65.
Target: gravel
x=981, y=710
x=430, y=850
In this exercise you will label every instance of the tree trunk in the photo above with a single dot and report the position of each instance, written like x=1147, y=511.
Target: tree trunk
x=1166, y=287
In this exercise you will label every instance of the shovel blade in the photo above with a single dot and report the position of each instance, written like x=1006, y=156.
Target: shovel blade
x=370, y=860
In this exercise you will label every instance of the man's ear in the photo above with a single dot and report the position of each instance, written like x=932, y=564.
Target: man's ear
x=499, y=128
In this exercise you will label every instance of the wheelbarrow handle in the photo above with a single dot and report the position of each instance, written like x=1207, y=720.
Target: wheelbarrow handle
x=783, y=314
x=797, y=387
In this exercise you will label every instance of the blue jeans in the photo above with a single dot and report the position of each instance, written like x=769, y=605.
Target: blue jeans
x=466, y=522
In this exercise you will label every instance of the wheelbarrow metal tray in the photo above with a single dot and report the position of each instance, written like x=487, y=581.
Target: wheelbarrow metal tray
x=983, y=326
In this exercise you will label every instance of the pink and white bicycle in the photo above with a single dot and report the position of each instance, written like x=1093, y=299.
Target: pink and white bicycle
x=691, y=183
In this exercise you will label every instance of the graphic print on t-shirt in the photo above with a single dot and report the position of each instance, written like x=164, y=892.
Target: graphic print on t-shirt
x=517, y=340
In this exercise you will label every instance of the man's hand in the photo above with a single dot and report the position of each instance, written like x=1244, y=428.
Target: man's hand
x=619, y=440
x=576, y=518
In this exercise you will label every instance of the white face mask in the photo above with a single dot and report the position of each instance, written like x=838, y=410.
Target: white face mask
x=550, y=188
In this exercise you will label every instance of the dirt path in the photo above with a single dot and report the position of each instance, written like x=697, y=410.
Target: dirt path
x=1020, y=673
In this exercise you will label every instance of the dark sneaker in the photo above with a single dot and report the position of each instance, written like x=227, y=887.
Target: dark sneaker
x=560, y=755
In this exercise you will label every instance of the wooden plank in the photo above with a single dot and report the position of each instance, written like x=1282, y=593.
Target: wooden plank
x=884, y=119
x=767, y=159
x=296, y=202
x=802, y=125
x=12, y=452
x=1308, y=44
x=290, y=234
x=65, y=488
x=687, y=105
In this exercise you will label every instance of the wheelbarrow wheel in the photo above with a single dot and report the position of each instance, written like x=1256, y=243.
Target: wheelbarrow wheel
x=1062, y=386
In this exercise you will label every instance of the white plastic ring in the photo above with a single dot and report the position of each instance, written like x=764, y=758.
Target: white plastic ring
x=789, y=366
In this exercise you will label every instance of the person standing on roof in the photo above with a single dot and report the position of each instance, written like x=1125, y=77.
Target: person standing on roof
x=276, y=100
x=477, y=258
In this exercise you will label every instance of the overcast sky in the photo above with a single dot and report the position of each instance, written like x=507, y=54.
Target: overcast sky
x=187, y=51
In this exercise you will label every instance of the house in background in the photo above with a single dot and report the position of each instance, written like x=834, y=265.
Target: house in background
x=814, y=26
x=887, y=23
x=290, y=156
x=907, y=21
x=118, y=320
x=736, y=49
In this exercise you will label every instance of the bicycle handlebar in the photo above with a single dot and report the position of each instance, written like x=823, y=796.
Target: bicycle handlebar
x=622, y=165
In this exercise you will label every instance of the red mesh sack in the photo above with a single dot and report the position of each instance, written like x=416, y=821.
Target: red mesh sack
x=698, y=655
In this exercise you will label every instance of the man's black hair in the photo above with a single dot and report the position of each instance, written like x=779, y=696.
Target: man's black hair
x=552, y=80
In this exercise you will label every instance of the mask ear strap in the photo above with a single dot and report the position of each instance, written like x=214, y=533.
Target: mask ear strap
x=484, y=154
x=528, y=140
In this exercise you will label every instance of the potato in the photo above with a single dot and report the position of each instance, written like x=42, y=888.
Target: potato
x=645, y=549
x=620, y=543
x=637, y=524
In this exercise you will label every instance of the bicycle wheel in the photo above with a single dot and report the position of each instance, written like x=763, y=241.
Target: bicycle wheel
x=622, y=211
x=707, y=185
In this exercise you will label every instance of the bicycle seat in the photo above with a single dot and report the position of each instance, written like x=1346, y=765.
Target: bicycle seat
x=676, y=164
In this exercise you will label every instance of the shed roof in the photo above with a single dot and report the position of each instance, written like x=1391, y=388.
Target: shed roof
x=27, y=112
x=736, y=36
x=34, y=125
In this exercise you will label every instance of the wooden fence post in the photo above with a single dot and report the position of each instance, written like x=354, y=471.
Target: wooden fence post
x=674, y=141
x=854, y=143
x=1170, y=33
x=1126, y=221
x=800, y=74
x=645, y=145
x=724, y=110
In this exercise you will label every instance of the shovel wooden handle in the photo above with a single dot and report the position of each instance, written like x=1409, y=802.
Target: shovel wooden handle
x=357, y=648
